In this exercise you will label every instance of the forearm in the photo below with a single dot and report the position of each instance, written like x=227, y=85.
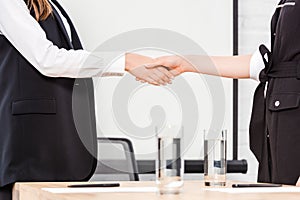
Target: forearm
x=225, y=66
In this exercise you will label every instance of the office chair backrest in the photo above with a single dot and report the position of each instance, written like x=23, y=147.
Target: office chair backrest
x=116, y=160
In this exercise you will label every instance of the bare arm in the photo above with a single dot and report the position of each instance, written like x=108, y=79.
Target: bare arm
x=230, y=66
x=225, y=66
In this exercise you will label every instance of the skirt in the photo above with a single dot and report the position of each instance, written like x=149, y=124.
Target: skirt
x=6, y=192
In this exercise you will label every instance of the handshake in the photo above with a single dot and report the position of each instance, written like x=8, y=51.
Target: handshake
x=158, y=71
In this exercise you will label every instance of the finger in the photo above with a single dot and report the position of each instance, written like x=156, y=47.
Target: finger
x=153, y=65
x=174, y=72
x=151, y=81
x=162, y=76
x=156, y=78
x=165, y=72
x=141, y=73
x=163, y=79
x=163, y=69
x=140, y=80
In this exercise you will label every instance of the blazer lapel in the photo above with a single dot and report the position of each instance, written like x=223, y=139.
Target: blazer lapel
x=62, y=27
x=75, y=38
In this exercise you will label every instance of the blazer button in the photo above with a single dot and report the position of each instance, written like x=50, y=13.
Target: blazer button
x=277, y=103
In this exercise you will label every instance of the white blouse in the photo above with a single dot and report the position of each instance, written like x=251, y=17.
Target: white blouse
x=26, y=35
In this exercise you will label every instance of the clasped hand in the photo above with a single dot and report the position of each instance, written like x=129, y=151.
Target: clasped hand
x=158, y=71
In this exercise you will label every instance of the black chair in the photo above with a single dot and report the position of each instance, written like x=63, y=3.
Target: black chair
x=116, y=160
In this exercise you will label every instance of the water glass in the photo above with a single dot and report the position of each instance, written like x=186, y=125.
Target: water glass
x=215, y=157
x=169, y=162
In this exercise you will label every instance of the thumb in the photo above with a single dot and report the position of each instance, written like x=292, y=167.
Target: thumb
x=154, y=64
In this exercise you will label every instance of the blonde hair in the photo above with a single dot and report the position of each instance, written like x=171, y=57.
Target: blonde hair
x=41, y=8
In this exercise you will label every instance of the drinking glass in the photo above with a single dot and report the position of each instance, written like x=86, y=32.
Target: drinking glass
x=215, y=157
x=169, y=162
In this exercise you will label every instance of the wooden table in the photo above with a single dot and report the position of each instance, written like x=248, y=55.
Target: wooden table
x=191, y=191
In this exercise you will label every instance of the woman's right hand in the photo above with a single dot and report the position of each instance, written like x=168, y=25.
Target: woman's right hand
x=175, y=64
x=137, y=66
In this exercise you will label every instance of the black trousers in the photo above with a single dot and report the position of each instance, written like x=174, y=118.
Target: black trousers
x=6, y=192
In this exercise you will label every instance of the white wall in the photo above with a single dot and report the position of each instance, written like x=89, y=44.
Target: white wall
x=208, y=23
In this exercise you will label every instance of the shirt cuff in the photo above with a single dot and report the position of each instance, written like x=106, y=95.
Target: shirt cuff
x=117, y=66
x=114, y=63
x=256, y=65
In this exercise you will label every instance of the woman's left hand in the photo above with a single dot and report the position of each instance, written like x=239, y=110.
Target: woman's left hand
x=298, y=182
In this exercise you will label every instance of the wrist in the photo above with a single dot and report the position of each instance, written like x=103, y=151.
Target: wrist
x=185, y=65
x=133, y=61
x=127, y=62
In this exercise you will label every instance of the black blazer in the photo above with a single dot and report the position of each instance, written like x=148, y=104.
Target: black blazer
x=275, y=120
x=38, y=137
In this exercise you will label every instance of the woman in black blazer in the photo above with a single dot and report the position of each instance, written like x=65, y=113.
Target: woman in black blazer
x=40, y=57
x=275, y=121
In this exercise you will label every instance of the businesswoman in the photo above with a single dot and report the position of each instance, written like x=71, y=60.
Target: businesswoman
x=275, y=121
x=40, y=55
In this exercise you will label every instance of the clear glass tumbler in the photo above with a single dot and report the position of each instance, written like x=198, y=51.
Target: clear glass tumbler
x=215, y=157
x=169, y=162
